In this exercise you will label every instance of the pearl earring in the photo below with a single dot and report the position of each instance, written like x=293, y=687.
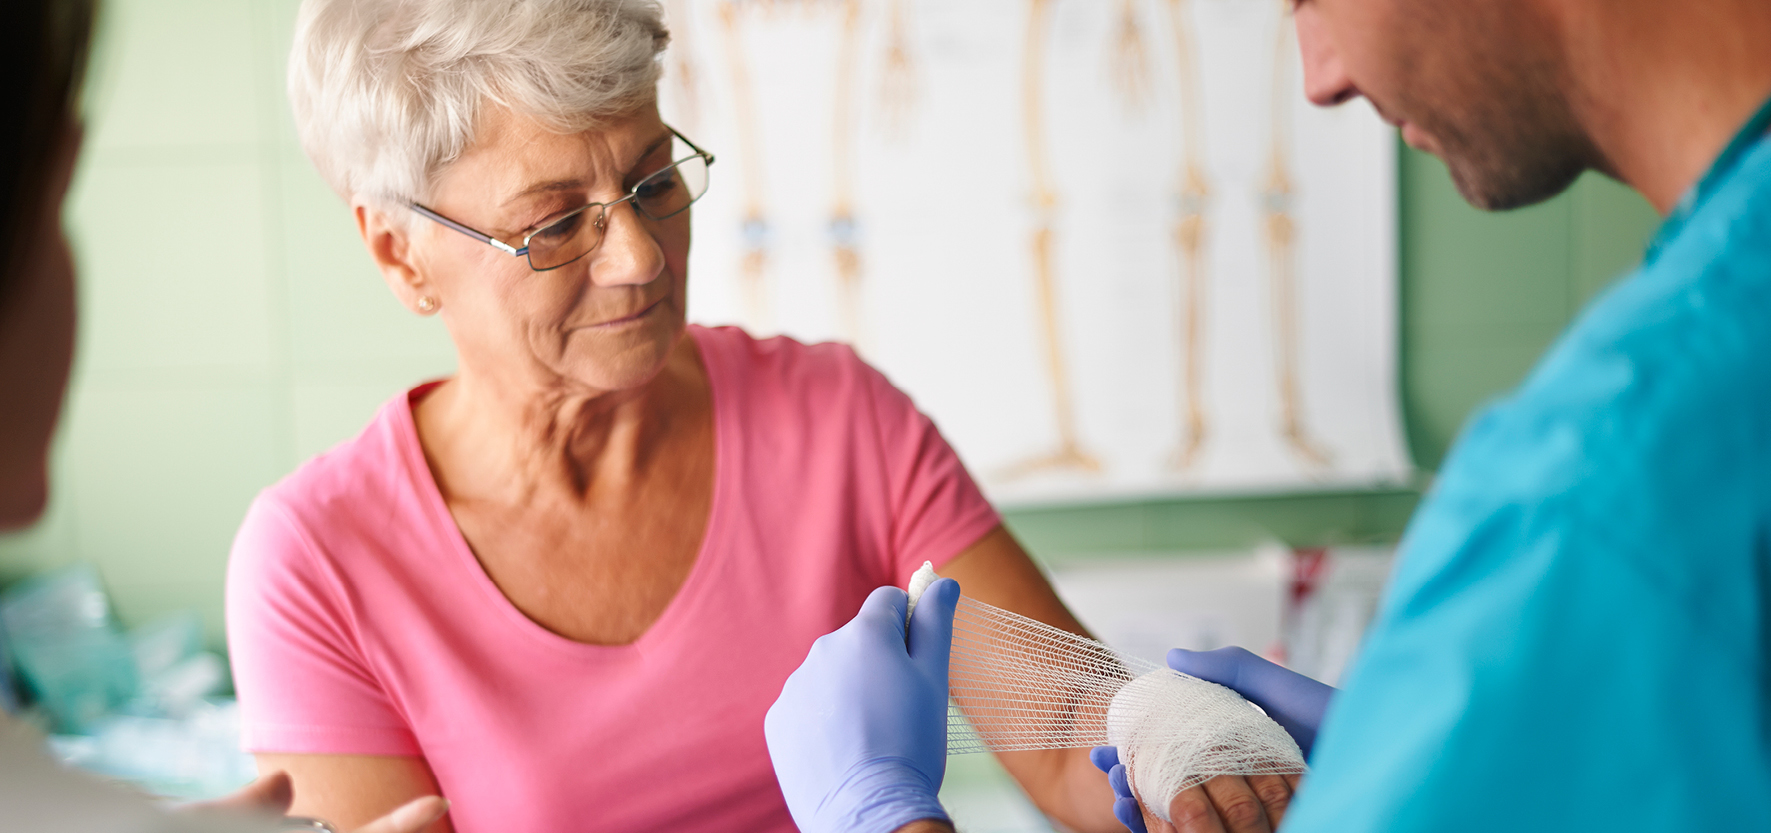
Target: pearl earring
x=427, y=304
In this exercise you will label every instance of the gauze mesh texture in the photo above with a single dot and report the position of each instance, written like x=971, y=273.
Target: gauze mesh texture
x=1022, y=684
x=1018, y=684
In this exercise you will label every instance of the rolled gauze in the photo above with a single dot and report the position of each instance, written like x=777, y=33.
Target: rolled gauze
x=1019, y=684
x=1175, y=732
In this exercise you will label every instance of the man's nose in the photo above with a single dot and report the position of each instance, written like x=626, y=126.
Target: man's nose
x=629, y=254
x=1326, y=82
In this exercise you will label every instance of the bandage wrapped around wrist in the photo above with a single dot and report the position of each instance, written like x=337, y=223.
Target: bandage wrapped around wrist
x=1021, y=684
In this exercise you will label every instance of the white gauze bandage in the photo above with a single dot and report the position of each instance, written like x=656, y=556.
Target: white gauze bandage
x=1021, y=684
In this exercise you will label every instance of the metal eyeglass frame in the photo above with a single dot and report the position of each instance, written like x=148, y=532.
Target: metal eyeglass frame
x=632, y=193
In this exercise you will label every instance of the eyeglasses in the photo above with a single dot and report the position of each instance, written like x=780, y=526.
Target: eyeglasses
x=564, y=238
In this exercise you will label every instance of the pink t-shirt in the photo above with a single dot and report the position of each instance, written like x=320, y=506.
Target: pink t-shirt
x=361, y=623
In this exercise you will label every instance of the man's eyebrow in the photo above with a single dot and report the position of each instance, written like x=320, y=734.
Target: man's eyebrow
x=575, y=184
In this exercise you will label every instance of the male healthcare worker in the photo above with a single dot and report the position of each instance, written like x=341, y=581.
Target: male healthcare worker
x=1578, y=632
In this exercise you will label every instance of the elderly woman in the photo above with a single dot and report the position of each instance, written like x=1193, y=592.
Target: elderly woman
x=562, y=587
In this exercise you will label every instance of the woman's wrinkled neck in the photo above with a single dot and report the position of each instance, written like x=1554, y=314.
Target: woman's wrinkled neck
x=511, y=437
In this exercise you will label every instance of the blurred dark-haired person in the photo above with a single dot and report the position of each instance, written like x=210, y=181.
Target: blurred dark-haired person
x=43, y=47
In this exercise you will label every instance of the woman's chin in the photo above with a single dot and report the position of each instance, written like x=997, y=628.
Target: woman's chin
x=621, y=360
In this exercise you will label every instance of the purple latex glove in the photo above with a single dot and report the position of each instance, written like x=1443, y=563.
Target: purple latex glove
x=859, y=734
x=1293, y=700
x=1125, y=807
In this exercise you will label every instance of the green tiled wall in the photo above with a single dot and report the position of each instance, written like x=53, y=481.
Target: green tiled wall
x=232, y=326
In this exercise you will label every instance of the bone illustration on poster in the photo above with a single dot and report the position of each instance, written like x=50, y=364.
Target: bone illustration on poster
x=1280, y=232
x=681, y=74
x=898, y=85
x=753, y=225
x=1129, y=64
x=844, y=229
x=1069, y=453
x=1104, y=245
x=1192, y=198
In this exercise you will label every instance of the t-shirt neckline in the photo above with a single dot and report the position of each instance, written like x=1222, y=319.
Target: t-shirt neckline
x=431, y=497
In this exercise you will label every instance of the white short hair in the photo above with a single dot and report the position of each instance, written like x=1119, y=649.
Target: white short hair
x=387, y=93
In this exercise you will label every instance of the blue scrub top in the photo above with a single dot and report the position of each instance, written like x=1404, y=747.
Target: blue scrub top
x=1578, y=633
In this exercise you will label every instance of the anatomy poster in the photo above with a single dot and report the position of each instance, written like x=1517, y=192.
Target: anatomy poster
x=1106, y=244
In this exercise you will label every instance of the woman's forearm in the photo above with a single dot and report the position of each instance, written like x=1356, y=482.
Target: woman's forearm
x=352, y=791
x=1065, y=786
x=1061, y=782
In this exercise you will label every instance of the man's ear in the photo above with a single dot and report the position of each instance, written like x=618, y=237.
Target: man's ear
x=389, y=243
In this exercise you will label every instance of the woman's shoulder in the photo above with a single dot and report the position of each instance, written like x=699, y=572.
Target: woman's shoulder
x=369, y=474
x=807, y=396
x=775, y=354
x=784, y=365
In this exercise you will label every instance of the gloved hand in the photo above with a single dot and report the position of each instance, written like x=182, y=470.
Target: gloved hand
x=1293, y=700
x=859, y=734
x=1125, y=806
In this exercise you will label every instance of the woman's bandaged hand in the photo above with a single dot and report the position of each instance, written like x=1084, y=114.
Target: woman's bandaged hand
x=1225, y=804
x=1186, y=730
x=1293, y=700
